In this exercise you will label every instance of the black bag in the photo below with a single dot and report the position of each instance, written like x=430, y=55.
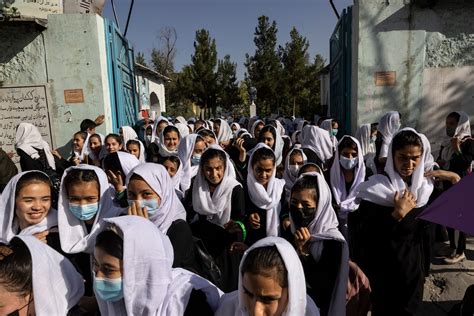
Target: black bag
x=205, y=263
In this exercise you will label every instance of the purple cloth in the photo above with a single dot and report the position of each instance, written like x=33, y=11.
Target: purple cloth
x=455, y=207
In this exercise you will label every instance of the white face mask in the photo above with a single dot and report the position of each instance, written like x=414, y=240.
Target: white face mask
x=293, y=169
x=347, y=163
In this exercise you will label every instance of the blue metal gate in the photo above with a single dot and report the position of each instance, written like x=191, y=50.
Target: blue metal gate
x=120, y=60
x=340, y=71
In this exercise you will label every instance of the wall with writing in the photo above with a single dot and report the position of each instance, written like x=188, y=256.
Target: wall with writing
x=22, y=104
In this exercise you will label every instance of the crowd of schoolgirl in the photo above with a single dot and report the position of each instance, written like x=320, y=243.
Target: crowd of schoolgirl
x=215, y=217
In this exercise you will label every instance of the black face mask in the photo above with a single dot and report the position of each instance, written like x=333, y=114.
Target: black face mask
x=450, y=131
x=302, y=217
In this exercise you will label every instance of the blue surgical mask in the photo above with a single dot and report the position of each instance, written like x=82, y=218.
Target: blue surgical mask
x=110, y=290
x=195, y=159
x=84, y=212
x=347, y=163
x=151, y=205
x=334, y=131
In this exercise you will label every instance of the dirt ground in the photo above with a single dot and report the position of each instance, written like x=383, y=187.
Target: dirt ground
x=447, y=283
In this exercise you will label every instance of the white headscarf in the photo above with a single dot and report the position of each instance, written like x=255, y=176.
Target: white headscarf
x=300, y=124
x=380, y=189
x=183, y=129
x=147, y=261
x=103, y=150
x=323, y=227
x=8, y=219
x=268, y=199
x=128, y=134
x=162, y=149
x=28, y=138
x=238, y=128
x=218, y=207
x=254, y=125
x=72, y=231
x=185, y=152
x=84, y=151
x=364, y=135
x=327, y=125
x=232, y=304
x=154, y=138
x=346, y=200
x=389, y=125
x=462, y=130
x=279, y=143
x=159, y=181
x=287, y=176
x=179, y=292
x=181, y=120
x=57, y=286
x=127, y=161
x=318, y=140
x=280, y=128
x=225, y=132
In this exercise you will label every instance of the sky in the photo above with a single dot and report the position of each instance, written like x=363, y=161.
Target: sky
x=231, y=23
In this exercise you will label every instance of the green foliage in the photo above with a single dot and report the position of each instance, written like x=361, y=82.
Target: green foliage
x=140, y=59
x=227, y=86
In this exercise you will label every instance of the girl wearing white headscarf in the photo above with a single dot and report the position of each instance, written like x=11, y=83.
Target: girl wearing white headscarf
x=391, y=233
x=183, y=129
x=127, y=133
x=190, y=150
x=163, y=208
x=96, y=149
x=34, y=152
x=347, y=172
x=256, y=127
x=53, y=287
x=164, y=146
x=276, y=145
x=174, y=166
x=158, y=126
x=25, y=208
x=265, y=195
x=219, y=200
x=85, y=197
x=235, y=128
x=124, y=259
x=319, y=142
x=332, y=127
x=181, y=120
x=292, y=166
x=322, y=248
x=223, y=132
x=367, y=143
x=289, y=275
x=389, y=125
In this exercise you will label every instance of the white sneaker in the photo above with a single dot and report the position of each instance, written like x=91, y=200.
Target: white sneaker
x=455, y=259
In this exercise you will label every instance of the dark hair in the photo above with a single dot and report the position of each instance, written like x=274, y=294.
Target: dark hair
x=82, y=133
x=306, y=182
x=133, y=142
x=111, y=243
x=87, y=124
x=171, y=128
x=173, y=159
x=406, y=138
x=268, y=262
x=373, y=127
x=114, y=136
x=112, y=162
x=305, y=168
x=347, y=142
x=212, y=153
x=334, y=122
x=32, y=177
x=207, y=133
x=16, y=267
x=454, y=115
x=96, y=136
x=263, y=154
x=267, y=128
x=75, y=176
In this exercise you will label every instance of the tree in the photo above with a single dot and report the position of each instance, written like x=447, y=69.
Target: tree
x=263, y=68
x=313, y=86
x=227, y=86
x=203, y=72
x=140, y=59
x=162, y=58
x=295, y=60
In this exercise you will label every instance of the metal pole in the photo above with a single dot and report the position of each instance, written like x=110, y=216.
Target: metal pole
x=334, y=9
x=128, y=18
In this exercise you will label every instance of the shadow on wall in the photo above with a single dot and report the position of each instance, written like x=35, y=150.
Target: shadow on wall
x=15, y=37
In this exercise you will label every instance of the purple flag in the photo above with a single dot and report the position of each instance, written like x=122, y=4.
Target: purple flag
x=455, y=207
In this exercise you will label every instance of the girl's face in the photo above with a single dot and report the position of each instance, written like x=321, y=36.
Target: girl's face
x=78, y=143
x=106, y=266
x=83, y=193
x=304, y=199
x=349, y=153
x=216, y=128
x=234, y=128
x=406, y=160
x=267, y=139
x=112, y=145
x=257, y=130
x=263, y=170
x=170, y=167
x=296, y=158
x=160, y=127
x=263, y=295
x=134, y=149
x=303, y=206
x=10, y=302
x=209, y=140
x=32, y=203
x=214, y=170
x=95, y=144
x=171, y=140
x=199, y=147
x=138, y=189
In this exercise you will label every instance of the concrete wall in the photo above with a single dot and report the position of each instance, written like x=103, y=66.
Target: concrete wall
x=431, y=51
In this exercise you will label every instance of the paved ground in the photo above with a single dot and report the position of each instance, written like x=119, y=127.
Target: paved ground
x=447, y=283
